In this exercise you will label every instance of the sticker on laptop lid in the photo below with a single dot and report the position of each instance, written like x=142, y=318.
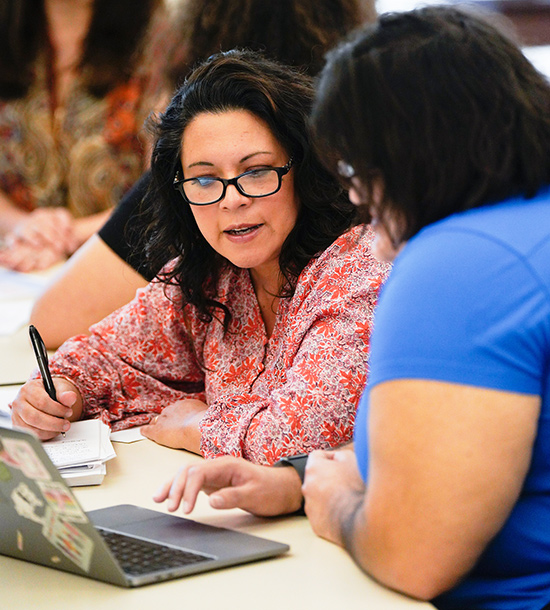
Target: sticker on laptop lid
x=20, y=539
x=73, y=543
x=7, y=459
x=27, y=504
x=61, y=501
x=20, y=454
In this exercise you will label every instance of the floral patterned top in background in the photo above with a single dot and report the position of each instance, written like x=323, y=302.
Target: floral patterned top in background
x=88, y=153
x=292, y=393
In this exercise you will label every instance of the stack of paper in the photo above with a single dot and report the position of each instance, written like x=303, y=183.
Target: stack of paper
x=80, y=456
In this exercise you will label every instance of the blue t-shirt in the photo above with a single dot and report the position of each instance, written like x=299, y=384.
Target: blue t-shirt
x=468, y=301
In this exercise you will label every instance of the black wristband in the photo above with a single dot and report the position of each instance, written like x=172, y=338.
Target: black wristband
x=298, y=462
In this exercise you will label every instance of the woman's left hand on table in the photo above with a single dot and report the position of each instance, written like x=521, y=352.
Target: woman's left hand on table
x=177, y=426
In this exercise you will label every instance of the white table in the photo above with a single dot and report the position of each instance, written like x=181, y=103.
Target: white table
x=314, y=574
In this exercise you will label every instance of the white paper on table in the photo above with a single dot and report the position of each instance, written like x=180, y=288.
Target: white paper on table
x=15, y=286
x=130, y=435
x=18, y=292
x=84, y=475
x=7, y=394
x=86, y=442
x=14, y=315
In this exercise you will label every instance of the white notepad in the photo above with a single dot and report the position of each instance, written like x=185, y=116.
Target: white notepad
x=80, y=456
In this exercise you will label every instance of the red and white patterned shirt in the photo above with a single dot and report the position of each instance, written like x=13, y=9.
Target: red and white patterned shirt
x=292, y=393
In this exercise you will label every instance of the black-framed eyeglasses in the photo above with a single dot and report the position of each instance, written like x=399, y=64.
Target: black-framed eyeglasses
x=205, y=190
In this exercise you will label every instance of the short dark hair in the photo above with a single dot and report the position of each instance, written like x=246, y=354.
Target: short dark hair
x=282, y=98
x=443, y=107
x=295, y=32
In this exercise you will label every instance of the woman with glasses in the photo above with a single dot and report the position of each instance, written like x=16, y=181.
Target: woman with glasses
x=254, y=340
x=443, y=127
x=294, y=32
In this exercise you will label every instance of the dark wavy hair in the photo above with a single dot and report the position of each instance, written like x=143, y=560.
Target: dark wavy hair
x=294, y=32
x=282, y=98
x=110, y=52
x=440, y=105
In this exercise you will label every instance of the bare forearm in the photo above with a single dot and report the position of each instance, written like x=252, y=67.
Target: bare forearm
x=438, y=496
x=77, y=299
x=393, y=563
x=86, y=226
x=353, y=527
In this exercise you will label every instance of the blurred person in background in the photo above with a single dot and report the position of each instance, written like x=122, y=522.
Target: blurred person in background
x=77, y=80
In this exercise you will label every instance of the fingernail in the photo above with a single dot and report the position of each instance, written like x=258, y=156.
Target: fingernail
x=66, y=425
x=216, y=502
x=185, y=507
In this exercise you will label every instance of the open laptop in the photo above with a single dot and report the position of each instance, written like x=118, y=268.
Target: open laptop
x=42, y=522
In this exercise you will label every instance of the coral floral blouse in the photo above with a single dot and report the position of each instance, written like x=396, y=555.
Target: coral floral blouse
x=292, y=393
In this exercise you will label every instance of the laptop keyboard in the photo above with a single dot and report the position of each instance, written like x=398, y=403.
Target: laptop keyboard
x=138, y=557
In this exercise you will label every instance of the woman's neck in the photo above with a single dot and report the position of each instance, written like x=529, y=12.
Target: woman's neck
x=267, y=285
x=68, y=24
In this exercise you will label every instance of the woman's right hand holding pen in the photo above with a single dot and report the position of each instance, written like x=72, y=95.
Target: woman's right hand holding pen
x=34, y=410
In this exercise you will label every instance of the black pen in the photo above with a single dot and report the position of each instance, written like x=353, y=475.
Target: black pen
x=42, y=359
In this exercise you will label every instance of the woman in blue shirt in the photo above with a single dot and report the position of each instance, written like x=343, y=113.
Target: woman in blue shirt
x=442, y=131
